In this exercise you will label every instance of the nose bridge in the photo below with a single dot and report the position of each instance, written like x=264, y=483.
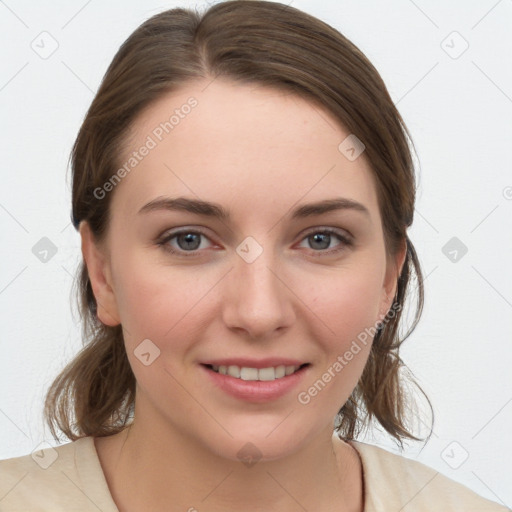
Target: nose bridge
x=258, y=300
x=255, y=269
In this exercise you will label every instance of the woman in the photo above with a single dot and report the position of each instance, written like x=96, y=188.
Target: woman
x=242, y=186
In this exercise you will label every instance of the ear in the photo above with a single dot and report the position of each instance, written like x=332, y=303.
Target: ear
x=393, y=271
x=98, y=268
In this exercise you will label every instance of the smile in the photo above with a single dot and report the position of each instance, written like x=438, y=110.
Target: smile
x=256, y=374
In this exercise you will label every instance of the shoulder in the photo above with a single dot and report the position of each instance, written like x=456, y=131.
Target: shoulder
x=62, y=478
x=395, y=482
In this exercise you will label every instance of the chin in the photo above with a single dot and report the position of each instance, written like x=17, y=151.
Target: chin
x=262, y=441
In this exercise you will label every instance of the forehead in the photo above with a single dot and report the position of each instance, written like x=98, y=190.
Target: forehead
x=240, y=144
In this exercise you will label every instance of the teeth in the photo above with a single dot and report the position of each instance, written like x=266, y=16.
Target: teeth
x=281, y=371
x=250, y=373
x=290, y=369
x=246, y=373
x=234, y=371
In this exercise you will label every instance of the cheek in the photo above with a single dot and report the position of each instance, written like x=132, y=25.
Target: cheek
x=345, y=302
x=162, y=305
x=342, y=321
x=160, y=302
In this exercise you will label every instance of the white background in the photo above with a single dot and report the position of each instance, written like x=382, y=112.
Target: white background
x=459, y=111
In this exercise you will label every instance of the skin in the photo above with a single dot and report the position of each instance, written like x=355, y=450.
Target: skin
x=259, y=153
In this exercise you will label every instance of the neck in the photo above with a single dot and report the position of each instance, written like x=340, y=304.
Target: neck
x=150, y=465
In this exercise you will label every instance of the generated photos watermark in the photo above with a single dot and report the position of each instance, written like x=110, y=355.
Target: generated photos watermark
x=152, y=140
x=305, y=397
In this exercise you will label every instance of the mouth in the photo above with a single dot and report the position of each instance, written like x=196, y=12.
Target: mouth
x=246, y=373
x=256, y=381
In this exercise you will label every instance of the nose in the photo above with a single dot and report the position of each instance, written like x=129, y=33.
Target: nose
x=258, y=301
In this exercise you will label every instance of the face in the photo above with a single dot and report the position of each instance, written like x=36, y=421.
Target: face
x=270, y=284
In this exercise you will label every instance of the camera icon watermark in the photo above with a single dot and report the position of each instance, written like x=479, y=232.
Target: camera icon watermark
x=351, y=147
x=44, y=455
x=45, y=45
x=454, y=249
x=454, y=45
x=249, y=454
x=249, y=249
x=44, y=250
x=455, y=455
x=146, y=352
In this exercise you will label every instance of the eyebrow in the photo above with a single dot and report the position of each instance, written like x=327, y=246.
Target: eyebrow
x=214, y=210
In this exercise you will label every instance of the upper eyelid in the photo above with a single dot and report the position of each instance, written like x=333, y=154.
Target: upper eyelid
x=170, y=234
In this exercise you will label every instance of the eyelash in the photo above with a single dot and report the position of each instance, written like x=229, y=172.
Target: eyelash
x=166, y=238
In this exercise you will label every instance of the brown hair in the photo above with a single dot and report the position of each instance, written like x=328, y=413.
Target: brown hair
x=253, y=42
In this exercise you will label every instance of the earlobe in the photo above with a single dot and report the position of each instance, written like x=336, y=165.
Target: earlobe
x=98, y=269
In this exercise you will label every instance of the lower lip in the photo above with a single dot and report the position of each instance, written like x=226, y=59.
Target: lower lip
x=256, y=390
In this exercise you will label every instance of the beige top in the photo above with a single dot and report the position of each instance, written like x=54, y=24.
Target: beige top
x=69, y=477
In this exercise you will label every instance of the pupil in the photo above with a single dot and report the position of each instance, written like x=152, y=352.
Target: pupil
x=325, y=237
x=189, y=239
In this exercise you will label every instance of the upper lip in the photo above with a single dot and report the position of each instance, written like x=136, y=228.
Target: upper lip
x=254, y=363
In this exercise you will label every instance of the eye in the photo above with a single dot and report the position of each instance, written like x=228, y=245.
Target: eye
x=188, y=241
x=321, y=239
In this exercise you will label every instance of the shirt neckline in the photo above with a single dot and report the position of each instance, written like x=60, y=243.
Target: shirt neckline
x=364, y=474
x=93, y=476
